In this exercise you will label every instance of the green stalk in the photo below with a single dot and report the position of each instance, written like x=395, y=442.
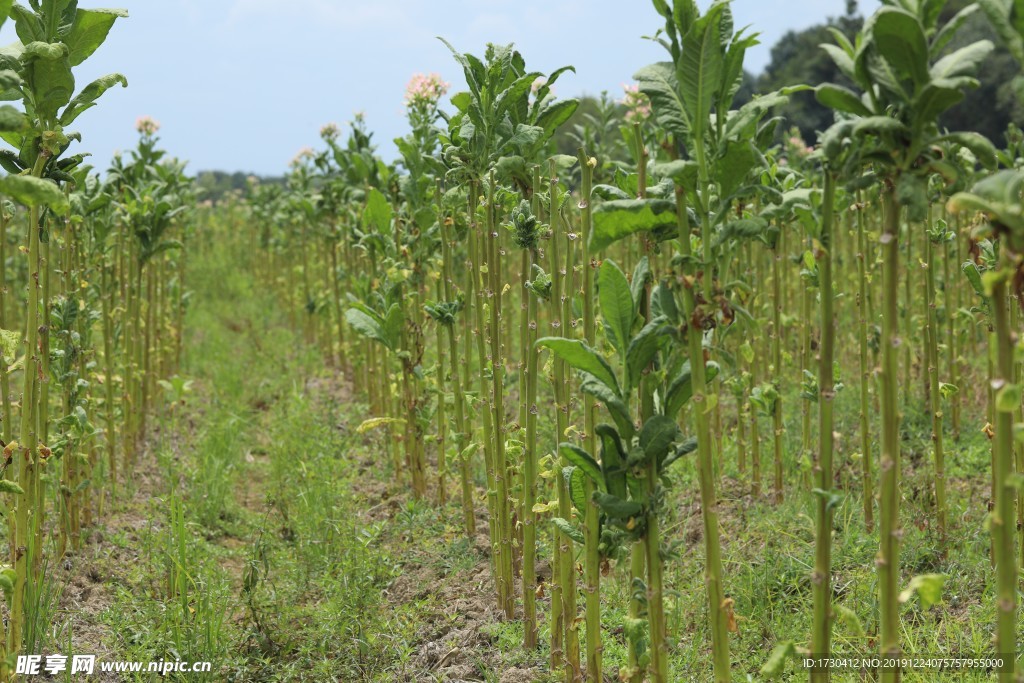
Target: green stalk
x=777, y=303
x=506, y=592
x=530, y=637
x=655, y=584
x=442, y=417
x=108, y=360
x=458, y=394
x=147, y=377
x=717, y=605
x=934, y=394
x=1002, y=520
x=755, y=456
x=137, y=366
x=476, y=293
x=741, y=430
x=806, y=361
x=569, y=596
x=821, y=579
x=26, y=460
x=889, y=502
x=591, y=517
x=865, y=373
x=128, y=263
x=560, y=556
x=1018, y=448
x=637, y=567
x=908, y=315
x=638, y=551
x=43, y=389
x=339, y=316
x=179, y=337
x=954, y=335
x=5, y=383
x=530, y=480
x=561, y=319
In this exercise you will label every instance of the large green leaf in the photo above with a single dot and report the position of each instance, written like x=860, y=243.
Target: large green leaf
x=841, y=99
x=5, y=10
x=658, y=81
x=638, y=284
x=568, y=530
x=89, y=30
x=12, y=120
x=842, y=60
x=681, y=389
x=701, y=68
x=48, y=77
x=934, y=99
x=979, y=145
x=657, y=435
x=516, y=92
x=901, y=41
x=576, y=482
x=613, y=460
x=51, y=12
x=744, y=121
x=963, y=62
x=642, y=350
x=950, y=28
x=581, y=459
x=615, y=507
x=377, y=214
x=617, y=408
x=34, y=192
x=554, y=115
x=581, y=357
x=617, y=306
x=365, y=325
x=26, y=23
x=683, y=172
x=87, y=98
x=621, y=218
x=735, y=165
x=880, y=125
x=1007, y=18
x=394, y=321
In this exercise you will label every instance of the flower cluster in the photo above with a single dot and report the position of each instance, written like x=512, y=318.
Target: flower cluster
x=147, y=125
x=424, y=89
x=797, y=146
x=638, y=106
x=305, y=154
x=330, y=132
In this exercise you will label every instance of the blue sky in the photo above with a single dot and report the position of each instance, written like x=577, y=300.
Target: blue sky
x=244, y=84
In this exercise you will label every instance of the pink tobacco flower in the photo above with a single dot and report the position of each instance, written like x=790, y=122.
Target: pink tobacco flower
x=147, y=125
x=638, y=106
x=330, y=132
x=424, y=89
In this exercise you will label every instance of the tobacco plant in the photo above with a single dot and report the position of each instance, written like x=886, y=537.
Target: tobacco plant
x=691, y=97
x=1000, y=198
x=906, y=85
x=56, y=36
x=497, y=133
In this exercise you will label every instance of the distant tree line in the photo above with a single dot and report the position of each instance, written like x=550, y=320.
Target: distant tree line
x=214, y=185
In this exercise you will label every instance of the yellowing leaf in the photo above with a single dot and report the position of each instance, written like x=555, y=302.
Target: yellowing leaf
x=377, y=422
x=928, y=588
